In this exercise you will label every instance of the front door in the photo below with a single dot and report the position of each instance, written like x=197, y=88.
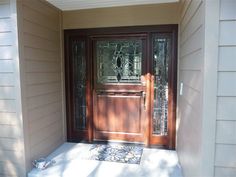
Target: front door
x=121, y=84
x=119, y=87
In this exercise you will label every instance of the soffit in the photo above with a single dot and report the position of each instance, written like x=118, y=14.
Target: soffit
x=66, y=5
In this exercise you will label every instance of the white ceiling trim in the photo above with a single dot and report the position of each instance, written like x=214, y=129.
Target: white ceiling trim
x=90, y=4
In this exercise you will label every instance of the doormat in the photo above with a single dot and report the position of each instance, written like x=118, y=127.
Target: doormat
x=116, y=153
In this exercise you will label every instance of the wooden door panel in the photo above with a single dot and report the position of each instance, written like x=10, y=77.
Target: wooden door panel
x=118, y=116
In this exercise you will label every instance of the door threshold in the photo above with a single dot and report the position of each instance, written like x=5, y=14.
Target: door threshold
x=117, y=142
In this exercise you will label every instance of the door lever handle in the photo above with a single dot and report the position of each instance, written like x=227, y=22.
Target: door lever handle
x=144, y=99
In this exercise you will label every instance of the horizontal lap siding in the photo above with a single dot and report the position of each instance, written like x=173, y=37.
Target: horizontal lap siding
x=225, y=161
x=42, y=76
x=190, y=74
x=11, y=146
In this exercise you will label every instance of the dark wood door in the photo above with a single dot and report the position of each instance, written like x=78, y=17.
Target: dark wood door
x=121, y=84
x=119, y=91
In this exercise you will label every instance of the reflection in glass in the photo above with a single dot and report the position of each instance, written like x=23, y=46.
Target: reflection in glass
x=79, y=74
x=119, y=61
x=161, y=57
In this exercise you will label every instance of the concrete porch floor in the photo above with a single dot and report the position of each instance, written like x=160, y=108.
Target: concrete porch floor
x=70, y=163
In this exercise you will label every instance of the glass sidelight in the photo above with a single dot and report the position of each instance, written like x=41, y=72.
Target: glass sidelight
x=161, y=58
x=79, y=77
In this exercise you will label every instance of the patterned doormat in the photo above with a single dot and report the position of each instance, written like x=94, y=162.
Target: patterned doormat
x=116, y=153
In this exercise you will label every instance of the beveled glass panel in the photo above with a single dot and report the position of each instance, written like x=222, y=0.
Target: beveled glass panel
x=161, y=57
x=119, y=61
x=79, y=73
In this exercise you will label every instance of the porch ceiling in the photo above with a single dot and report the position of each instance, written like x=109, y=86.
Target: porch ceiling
x=90, y=4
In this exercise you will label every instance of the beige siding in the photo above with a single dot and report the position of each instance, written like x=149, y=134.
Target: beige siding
x=40, y=29
x=225, y=162
x=11, y=135
x=191, y=75
x=122, y=16
x=198, y=52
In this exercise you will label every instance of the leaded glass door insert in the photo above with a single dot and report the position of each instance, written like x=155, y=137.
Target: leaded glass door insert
x=119, y=61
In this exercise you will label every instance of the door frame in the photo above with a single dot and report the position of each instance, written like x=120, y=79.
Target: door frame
x=87, y=35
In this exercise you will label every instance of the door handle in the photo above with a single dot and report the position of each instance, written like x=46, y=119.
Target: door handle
x=144, y=99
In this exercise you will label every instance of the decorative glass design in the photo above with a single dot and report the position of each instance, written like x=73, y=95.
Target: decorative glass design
x=79, y=74
x=119, y=61
x=161, y=57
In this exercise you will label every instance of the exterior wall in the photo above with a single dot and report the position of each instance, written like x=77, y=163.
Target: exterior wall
x=12, y=162
x=41, y=77
x=121, y=16
x=198, y=72
x=191, y=66
x=225, y=161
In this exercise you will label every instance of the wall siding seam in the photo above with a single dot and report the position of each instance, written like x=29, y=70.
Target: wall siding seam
x=228, y=20
x=42, y=49
x=222, y=96
x=45, y=126
x=191, y=52
x=198, y=91
x=189, y=20
x=7, y=31
x=40, y=25
x=7, y=59
x=223, y=120
x=54, y=100
x=227, y=45
x=190, y=105
x=40, y=84
x=28, y=59
x=25, y=5
x=184, y=56
x=43, y=82
x=190, y=35
x=183, y=29
x=185, y=4
x=46, y=115
x=51, y=7
x=227, y=144
x=44, y=105
x=218, y=166
x=3, y=18
x=6, y=72
x=183, y=69
x=45, y=93
x=6, y=45
x=56, y=122
x=41, y=37
x=226, y=71
x=42, y=72
x=43, y=26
